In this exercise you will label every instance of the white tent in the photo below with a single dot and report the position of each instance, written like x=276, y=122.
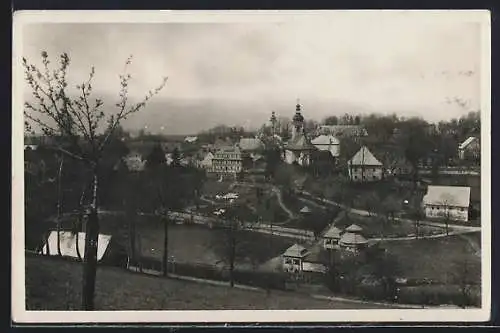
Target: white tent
x=68, y=244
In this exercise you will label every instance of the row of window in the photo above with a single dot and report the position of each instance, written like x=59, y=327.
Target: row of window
x=290, y=261
x=366, y=177
x=365, y=169
x=226, y=162
x=462, y=209
x=226, y=169
x=228, y=156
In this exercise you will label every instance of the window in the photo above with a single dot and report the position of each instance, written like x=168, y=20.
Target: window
x=296, y=261
x=328, y=241
x=288, y=261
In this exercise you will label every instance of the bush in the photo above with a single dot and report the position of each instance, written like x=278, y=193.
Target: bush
x=266, y=280
x=437, y=295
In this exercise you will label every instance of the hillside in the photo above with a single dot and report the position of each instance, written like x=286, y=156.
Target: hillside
x=55, y=284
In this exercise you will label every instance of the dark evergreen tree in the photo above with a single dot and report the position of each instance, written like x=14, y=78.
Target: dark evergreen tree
x=156, y=157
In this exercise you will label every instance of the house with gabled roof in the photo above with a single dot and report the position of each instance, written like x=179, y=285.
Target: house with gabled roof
x=450, y=202
x=365, y=167
x=470, y=149
x=293, y=258
x=327, y=143
x=331, y=238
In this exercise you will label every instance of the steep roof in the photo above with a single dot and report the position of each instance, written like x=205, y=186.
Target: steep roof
x=250, y=144
x=364, y=157
x=467, y=142
x=333, y=232
x=325, y=140
x=295, y=250
x=351, y=238
x=450, y=195
x=300, y=142
x=68, y=244
x=305, y=209
x=354, y=228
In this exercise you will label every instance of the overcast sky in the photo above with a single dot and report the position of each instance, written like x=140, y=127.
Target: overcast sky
x=239, y=72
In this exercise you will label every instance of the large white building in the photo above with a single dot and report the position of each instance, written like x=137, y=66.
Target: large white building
x=327, y=143
x=447, y=202
x=227, y=162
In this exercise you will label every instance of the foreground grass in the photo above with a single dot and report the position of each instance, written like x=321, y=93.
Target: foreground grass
x=441, y=259
x=55, y=284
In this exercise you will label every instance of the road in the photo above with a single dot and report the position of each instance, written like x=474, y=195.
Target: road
x=277, y=192
x=464, y=228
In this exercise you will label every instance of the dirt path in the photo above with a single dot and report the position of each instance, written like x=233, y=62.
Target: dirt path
x=367, y=213
x=311, y=202
x=277, y=192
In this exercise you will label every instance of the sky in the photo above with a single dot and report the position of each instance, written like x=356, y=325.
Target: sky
x=238, y=72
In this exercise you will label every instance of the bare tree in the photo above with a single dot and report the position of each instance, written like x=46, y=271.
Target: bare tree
x=447, y=203
x=81, y=131
x=59, y=204
x=233, y=246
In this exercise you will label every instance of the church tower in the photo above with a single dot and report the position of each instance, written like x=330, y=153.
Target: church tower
x=298, y=122
x=274, y=122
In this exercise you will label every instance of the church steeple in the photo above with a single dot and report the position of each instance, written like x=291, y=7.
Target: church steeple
x=273, y=121
x=298, y=121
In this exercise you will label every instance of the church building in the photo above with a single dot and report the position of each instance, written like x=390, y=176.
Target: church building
x=299, y=148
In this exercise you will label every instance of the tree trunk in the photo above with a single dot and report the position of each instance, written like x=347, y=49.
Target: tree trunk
x=416, y=229
x=131, y=235
x=79, y=224
x=232, y=257
x=91, y=244
x=59, y=204
x=165, y=245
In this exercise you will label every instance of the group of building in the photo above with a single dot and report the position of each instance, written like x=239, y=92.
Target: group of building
x=225, y=158
x=349, y=241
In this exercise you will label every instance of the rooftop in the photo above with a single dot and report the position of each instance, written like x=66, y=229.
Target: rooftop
x=467, y=142
x=447, y=195
x=295, y=250
x=343, y=130
x=325, y=140
x=351, y=238
x=250, y=144
x=300, y=142
x=364, y=157
x=333, y=232
x=354, y=228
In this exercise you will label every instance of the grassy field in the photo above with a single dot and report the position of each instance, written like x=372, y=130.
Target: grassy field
x=54, y=284
x=188, y=243
x=441, y=259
